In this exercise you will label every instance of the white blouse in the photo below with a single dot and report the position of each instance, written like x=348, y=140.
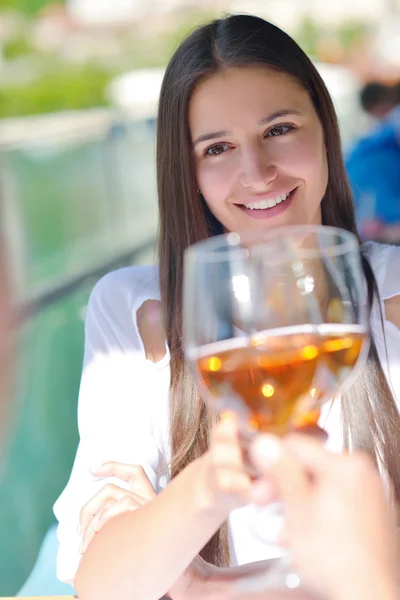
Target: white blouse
x=123, y=411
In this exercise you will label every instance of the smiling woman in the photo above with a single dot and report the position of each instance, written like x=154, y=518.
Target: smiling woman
x=247, y=138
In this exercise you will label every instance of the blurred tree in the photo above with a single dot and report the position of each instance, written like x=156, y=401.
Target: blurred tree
x=16, y=47
x=147, y=47
x=308, y=35
x=64, y=88
x=27, y=7
x=350, y=32
x=329, y=43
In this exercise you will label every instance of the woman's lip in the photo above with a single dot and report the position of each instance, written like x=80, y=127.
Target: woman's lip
x=269, y=213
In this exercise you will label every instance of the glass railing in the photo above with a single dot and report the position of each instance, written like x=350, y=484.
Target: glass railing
x=77, y=202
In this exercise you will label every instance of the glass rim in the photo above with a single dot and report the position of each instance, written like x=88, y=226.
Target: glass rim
x=231, y=244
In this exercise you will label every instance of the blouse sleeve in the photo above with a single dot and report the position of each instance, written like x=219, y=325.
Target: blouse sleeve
x=385, y=262
x=114, y=417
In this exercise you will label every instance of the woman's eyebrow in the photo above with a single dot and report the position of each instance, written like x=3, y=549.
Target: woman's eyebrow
x=284, y=112
x=210, y=136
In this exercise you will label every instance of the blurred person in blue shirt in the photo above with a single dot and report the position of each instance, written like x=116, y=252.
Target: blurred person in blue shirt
x=382, y=103
x=373, y=165
x=376, y=99
x=393, y=116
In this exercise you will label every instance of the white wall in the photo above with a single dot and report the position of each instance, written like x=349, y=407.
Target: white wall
x=288, y=13
x=98, y=12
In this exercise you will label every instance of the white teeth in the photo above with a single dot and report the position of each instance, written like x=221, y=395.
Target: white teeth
x=263, y=204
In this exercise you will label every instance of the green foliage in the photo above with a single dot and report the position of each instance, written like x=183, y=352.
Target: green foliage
x=144, y=49
x=59, y=85
x=67, y=88
x=308, y=35
x=26, y=7
x=192, y=20
x=17, y=47
x=350, y=31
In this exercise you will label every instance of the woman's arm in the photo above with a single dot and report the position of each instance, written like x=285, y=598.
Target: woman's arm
x=142, y=554
x=200, y=580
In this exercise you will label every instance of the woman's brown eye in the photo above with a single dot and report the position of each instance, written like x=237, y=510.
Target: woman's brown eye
x=215, y=150
x=279, y=130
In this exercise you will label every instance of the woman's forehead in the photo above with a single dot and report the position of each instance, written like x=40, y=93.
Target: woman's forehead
x=251, y=91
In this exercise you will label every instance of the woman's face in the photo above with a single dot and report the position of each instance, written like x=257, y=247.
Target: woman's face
x=259, y=149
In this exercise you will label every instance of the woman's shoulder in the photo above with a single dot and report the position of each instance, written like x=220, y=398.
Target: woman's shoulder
x=111, y=316
x=385, y=263
x=127, y=287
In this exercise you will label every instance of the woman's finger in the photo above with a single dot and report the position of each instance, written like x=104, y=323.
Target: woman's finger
x=134, y=475
x=124, y=505
x=93, y=524
x=263, y=492
x=112, y=509
x=314, y=431
x=233, y=486
x=271, y=457
x=97, y=502
x=227, y=455
x=310, y=453
x=90, y=531
x=226, y=447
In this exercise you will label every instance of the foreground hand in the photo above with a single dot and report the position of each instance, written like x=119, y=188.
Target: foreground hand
x=113, y=500
x=339, y=526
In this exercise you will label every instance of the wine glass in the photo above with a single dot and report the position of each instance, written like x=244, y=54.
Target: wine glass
x=275, y=324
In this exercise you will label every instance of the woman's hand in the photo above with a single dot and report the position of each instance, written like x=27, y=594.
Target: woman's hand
x=339, y=526
x=226, y=478
x=113, y=500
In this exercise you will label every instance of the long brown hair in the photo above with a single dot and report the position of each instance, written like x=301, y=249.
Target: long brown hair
x=370, y=416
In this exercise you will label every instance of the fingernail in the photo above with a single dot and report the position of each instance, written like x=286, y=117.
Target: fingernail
x=81, y=548
x=268, y=449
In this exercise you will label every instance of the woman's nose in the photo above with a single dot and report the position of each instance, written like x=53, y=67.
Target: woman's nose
x=257, y=170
